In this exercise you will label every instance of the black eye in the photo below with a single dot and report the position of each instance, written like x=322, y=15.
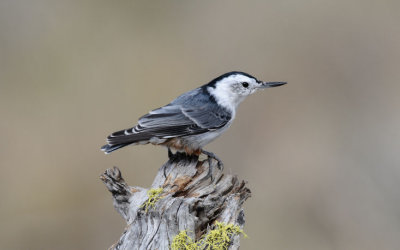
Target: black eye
x=245, y=84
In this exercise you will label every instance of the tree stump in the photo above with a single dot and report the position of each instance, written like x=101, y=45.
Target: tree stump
x=194, y=197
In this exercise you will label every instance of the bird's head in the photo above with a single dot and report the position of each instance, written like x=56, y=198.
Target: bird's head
x=232, y=88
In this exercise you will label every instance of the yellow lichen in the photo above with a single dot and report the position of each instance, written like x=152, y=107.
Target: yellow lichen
x=183, y=242
x=217, y=239
x=220, y=237
x=154, y=195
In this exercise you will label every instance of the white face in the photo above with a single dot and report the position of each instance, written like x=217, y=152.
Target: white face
x=232, y=90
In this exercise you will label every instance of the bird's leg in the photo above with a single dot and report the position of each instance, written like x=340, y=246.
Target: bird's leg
x=170, y=157
x=210, y=156
x=188, y=156
x=170, y=154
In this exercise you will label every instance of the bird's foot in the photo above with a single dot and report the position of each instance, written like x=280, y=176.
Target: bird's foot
x=210, y=156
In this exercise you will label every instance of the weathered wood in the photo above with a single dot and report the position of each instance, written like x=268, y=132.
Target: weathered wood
x=193, y=198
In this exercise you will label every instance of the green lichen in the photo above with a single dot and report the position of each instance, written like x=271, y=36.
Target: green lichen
x=217, y=239
x=154, y=195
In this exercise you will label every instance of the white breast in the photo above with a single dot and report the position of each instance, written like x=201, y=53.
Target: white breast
x=200, y=140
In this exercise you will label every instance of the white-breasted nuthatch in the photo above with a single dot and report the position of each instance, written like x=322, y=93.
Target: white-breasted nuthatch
x=194, y=119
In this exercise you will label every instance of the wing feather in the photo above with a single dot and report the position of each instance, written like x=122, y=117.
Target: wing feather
x=173, y=120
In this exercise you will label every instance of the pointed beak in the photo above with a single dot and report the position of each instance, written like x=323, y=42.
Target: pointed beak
x=271, y=84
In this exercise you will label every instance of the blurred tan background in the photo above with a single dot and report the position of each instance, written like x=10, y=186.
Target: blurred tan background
x=321, y=154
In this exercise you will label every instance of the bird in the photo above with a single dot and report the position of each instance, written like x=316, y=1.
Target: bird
x=193, y=119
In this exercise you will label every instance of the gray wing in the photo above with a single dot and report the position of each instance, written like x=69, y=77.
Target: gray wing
x=174, y=120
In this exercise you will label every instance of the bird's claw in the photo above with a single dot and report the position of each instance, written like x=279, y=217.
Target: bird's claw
x=210, y=156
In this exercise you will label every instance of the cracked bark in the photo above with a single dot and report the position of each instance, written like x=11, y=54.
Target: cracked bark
x=193, y=198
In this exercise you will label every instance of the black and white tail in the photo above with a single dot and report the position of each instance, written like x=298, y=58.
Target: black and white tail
x=110, y=148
